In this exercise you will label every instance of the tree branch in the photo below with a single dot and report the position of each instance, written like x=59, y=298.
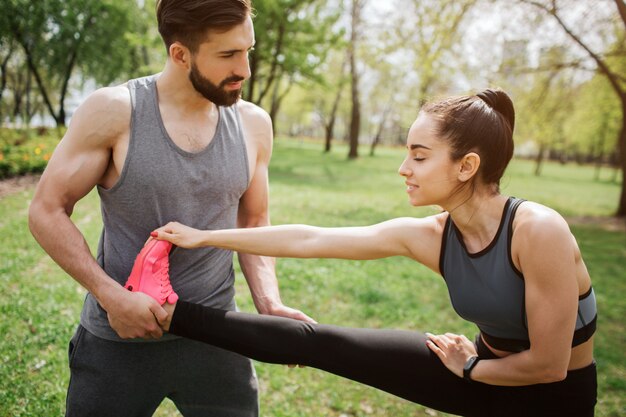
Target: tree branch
x=621, y=7
x=602, y=66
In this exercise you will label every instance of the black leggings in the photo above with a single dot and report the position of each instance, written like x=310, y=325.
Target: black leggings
x=395, y=361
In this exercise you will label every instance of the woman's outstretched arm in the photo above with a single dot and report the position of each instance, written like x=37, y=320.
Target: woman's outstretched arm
x=416, y=238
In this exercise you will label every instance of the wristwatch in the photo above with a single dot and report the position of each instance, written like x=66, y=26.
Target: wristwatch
x=469, y=365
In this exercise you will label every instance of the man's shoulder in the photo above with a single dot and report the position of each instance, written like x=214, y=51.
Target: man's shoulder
x=105, y=114
x=253, y=116
x=108, y=102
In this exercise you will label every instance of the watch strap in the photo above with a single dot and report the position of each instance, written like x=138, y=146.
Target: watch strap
x=469, y=366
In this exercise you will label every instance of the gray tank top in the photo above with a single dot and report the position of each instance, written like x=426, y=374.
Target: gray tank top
x=487, y=289
x=160, y=183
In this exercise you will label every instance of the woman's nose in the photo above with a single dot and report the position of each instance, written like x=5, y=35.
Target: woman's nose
x=403, y=170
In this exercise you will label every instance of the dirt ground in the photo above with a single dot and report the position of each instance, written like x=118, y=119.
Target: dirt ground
x=17, y=184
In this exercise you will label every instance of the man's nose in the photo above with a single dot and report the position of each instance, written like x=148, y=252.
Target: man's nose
x=243, y=67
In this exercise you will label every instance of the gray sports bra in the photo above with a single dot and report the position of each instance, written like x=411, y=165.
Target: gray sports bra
x=487, y=289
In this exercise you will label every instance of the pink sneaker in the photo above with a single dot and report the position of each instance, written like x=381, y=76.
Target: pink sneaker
x=150, y=272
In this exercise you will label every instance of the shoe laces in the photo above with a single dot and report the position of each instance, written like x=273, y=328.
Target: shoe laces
x=164, y=278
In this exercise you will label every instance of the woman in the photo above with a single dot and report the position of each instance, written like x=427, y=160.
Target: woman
x=511, y=266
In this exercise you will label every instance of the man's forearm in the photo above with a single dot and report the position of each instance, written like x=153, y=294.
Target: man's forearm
x=129, y=314
x=66, y=245
x=260, y=274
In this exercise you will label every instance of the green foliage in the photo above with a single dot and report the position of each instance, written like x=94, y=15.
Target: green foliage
x=40, y=304
x=293, y=38
x=57, y=38
x=593, y=126
x=54, y=30
x=26, y=151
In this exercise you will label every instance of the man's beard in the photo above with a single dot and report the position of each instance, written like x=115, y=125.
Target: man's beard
x=214, y=93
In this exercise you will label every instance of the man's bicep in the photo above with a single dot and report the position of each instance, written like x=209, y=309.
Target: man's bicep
x=84, y=154
x=254, y=204
x=257, y=128
x=72, y=172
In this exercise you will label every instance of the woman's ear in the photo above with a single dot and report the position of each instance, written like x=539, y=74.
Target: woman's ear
x=180, y=55
x=468, y=166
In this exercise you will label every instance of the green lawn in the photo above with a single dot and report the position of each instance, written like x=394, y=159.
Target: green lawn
x=40, y=304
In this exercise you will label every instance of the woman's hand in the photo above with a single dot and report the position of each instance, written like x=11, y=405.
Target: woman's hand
x=180, y=235
x=453, y=350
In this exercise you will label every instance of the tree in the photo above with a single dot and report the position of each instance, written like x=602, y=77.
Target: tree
x=546, y=106
x=555, y=10
x=427, y=31
x=58, y=37
x=329, y=117
x=593, y=125
x=4, y=64
x=293, y=38
x=355, y=118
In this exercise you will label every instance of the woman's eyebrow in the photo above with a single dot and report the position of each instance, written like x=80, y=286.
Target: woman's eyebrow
x=418, y=146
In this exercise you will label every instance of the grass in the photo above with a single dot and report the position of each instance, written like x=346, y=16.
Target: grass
x=40, y=304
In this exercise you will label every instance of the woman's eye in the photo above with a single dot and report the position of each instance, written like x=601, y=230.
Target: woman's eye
x=418, y=159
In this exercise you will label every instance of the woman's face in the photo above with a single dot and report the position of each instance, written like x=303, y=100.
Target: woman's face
x=431, y=176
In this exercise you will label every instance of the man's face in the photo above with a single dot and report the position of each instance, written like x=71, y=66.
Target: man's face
x=217, y=94
x=220, y=66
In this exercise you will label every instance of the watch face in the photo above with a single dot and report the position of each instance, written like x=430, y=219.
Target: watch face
x=469, y=365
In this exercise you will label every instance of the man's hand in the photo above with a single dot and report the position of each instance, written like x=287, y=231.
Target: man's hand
x=134, y=314
x=284, y=311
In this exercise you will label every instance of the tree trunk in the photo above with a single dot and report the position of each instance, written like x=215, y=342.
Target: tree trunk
x=278, y=48
x=355, y=121
x=3, y=73
x=539, y=159
x=330, y=126
x=277, y=100
x=621, y=208
x=60, y=120
x=18, y=91
x=600, y=149
x=379, y=133
x=33, y=69
x=254, y=67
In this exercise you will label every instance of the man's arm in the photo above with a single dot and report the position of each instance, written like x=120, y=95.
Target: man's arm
x=254, y=212
x=80, y=161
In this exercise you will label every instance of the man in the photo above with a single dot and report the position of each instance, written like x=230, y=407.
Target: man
x=178, y=145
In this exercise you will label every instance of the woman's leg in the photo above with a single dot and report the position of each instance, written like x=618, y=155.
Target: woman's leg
x=395, y=361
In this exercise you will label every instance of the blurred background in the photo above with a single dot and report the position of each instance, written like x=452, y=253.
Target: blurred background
x=343, y=80
x=353, y=71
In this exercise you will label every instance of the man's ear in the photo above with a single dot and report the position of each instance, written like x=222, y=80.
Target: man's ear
x=468, y=166
x=180, y=55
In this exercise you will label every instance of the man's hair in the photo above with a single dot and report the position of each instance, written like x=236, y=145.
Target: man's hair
x=189, y=21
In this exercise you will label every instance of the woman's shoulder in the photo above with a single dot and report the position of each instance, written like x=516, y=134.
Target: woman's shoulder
x=536, y=222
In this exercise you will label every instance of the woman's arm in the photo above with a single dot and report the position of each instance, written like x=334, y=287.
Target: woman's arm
x=545, y=252
x=416, y=238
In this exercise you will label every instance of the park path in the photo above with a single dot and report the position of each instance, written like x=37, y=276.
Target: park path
x=15, y=185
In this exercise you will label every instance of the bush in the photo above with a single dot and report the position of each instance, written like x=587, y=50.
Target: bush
x=26, y=151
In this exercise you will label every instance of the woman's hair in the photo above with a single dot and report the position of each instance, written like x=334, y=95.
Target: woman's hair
x=482, y=123
x=189, y=21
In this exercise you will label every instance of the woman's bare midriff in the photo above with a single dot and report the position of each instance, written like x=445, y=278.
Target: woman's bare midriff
x=582, y=355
